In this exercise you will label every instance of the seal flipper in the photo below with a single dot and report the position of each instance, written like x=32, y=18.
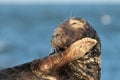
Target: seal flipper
x=48, y=67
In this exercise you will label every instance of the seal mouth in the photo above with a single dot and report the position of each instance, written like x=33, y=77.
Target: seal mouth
x=61, y=49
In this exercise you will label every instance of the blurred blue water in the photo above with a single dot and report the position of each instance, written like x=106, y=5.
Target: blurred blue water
x=26, y=30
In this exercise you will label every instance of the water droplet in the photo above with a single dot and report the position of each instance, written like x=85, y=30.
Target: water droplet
x=106, y=19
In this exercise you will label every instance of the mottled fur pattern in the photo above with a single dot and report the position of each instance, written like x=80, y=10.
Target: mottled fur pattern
x=86, y=67
x=21, y=72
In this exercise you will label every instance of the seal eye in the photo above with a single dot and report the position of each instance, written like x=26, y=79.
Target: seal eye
x=74, y=23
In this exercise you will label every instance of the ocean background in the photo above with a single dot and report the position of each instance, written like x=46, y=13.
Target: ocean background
x=26, y=30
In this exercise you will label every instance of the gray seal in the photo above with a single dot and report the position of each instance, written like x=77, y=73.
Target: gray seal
x=77, y=56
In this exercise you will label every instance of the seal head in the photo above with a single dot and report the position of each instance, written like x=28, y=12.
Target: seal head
x=70, y=31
